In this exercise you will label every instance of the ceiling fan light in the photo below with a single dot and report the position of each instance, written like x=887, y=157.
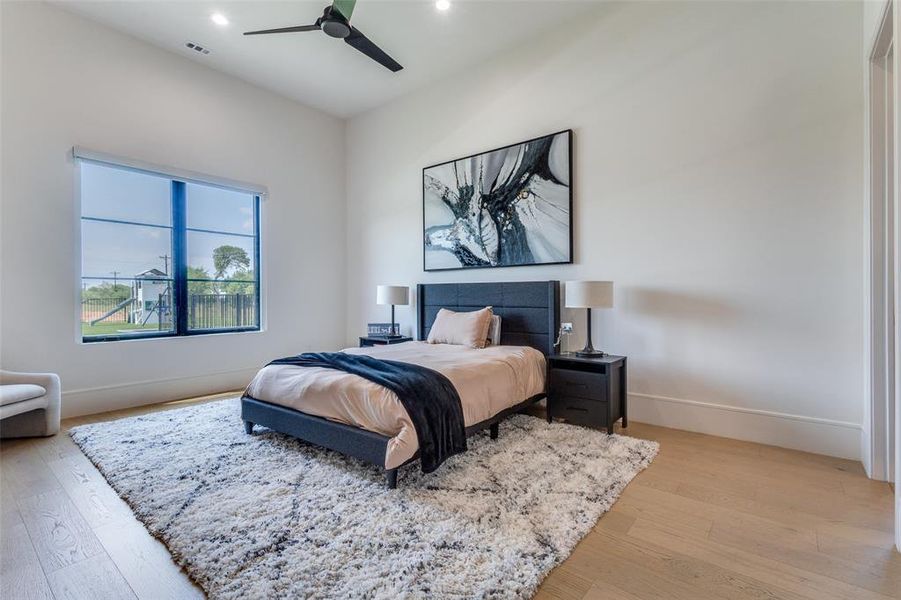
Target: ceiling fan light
x=219, y=19
x=442, y=4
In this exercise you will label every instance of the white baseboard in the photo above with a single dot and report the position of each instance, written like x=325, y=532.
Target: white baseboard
x=810, y=434
x=821, y=436
x=89, y=401
x=897, y=520
x=865, y=450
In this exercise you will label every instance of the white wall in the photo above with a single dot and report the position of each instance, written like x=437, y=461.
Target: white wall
x=718, y=178
x=68, y=81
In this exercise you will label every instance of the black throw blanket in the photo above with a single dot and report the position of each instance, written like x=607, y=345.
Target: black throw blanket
x=428, y=396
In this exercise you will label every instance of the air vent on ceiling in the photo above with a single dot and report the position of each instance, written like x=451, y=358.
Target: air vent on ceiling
x=197, y=48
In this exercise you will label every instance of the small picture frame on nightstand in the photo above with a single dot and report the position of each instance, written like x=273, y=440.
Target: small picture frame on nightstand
x=379, y=329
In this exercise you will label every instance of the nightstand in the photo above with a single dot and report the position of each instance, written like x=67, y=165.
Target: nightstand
x=587, y=391
x=380, y=340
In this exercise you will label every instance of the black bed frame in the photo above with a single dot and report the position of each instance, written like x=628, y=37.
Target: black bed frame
x=530, y=313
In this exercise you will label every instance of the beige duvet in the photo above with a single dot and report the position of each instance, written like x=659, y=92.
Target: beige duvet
x=488, y=381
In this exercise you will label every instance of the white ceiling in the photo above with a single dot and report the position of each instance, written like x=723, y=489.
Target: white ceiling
x=324, y=72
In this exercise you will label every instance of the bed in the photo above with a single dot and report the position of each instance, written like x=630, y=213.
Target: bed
x=324, y=407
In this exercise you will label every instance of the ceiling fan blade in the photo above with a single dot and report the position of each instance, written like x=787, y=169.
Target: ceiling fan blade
x=365, y=45
x=345, y=7
x=284, y=30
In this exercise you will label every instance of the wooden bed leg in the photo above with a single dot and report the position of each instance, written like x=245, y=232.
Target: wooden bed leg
x=495, y=429
x=248, y=427
x=391, y=478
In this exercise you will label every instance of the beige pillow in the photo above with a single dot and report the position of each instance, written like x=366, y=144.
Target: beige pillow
x=464, y=328
x=494, y=332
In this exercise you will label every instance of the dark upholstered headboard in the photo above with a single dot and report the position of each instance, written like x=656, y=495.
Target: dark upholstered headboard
x=529, y=310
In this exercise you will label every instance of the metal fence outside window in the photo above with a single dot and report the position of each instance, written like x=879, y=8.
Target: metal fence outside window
x=205, y=311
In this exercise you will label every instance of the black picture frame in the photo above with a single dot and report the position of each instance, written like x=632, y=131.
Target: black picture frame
x=570, y=249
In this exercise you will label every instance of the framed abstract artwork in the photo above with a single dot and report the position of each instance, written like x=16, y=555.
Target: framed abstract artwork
x=503, y=208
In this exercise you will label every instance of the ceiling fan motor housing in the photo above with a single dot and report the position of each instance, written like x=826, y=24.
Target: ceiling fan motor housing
x=334, y=24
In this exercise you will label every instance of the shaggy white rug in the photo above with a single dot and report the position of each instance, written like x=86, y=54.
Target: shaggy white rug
x=266, y=516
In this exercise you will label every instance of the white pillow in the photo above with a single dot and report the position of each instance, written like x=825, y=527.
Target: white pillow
x=463, y=329
x=494, y=331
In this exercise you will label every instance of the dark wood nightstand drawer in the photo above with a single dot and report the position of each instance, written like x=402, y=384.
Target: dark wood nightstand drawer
x=580, y=411
x=565, y=382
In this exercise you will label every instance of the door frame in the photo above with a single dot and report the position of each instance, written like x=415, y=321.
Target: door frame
x=881, y=447
x=880, y=292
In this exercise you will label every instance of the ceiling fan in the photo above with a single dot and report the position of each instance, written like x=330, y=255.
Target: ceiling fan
x=335, y=21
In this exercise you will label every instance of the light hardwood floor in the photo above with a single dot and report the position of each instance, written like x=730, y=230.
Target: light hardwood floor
x=711, y=518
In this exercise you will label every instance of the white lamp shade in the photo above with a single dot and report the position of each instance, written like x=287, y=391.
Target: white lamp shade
x=589, y=294
x=392, y=294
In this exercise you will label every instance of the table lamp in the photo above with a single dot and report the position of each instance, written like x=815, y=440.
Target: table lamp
x=589, y=294
x=392, y=294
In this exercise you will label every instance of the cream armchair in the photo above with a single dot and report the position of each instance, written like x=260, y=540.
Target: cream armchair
x=29, y=404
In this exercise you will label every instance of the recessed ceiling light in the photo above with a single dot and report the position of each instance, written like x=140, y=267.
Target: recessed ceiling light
x=219, y=18
x=442, y=4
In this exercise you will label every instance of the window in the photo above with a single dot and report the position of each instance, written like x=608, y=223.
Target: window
x=165, y=256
